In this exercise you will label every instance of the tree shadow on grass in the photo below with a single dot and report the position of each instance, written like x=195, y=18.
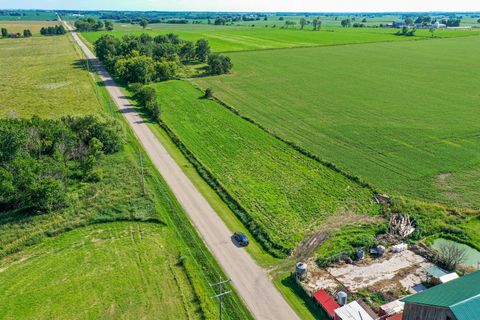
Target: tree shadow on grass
x=15, y=216
x=84, y=64
x=290, y=283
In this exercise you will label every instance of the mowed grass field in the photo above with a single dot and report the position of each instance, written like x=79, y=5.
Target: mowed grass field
x=19, y=26
x=44, y=76
x=402, y=116
x=287, y=195
x=105, y=271
x=236, y=38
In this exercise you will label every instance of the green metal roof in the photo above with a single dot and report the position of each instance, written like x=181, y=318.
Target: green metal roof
x=468, y=309
x=451, y=294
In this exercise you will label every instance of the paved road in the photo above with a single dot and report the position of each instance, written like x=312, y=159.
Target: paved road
x=252, y=283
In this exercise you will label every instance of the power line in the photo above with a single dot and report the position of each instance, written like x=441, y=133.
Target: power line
x=220, y=295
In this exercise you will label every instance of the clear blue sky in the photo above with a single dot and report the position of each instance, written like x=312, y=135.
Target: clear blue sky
x=249, y=5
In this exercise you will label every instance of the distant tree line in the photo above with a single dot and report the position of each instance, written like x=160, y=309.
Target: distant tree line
x=91, y=24
x=53, y=30
x=143, y=58
x=41, y=159
x=423, y=19
x=451, y=22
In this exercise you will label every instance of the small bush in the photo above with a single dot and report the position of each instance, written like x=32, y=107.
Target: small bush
x=208, y=93
x=135, y=87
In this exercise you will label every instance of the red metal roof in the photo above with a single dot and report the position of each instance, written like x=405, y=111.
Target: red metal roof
x=327, y=302
x=396, y=317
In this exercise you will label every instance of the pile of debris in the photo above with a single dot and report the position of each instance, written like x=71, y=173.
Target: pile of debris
x=400, y=225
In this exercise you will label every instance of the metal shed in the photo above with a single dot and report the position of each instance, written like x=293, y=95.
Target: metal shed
x=458, y=299
x=352, y=311
x=326, y=302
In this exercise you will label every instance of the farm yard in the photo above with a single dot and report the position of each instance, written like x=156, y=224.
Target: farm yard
x=386, y=112
x=44, y=76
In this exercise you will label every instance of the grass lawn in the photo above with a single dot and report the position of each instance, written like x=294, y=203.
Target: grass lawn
x=19, y=26
x=286, y=195
x=42, y=76
x=238, y=38
x=401, y=116
x=107, y=271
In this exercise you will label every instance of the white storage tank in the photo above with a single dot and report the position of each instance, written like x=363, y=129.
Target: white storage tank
x=342, y=298
x=301, y=270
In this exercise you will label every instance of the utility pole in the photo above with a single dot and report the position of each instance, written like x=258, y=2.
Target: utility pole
x=142, y=172
x=221, y=293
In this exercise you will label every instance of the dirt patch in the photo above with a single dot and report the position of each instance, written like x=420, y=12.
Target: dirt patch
x=55, y=85
x=442, y=177
x=319, y=279
x=404, y=268
x=306, y=248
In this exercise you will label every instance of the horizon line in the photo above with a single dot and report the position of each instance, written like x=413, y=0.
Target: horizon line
x=239, y=11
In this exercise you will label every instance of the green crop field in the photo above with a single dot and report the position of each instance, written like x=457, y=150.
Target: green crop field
x=234, y=38
x=105, y=271
x=44, y=76
x=402, y=116
x=19, y=26
x=286, y=194
x=27, y=15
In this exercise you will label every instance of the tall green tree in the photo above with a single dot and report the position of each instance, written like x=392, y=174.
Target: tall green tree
x=317, y=24
x=139, y=69
x=202, y=50
x=108, y=25
x=4, y=32
x=219, y=64
x=346, y=23
x=144, y=23
x=187, y=51
x=303, y=22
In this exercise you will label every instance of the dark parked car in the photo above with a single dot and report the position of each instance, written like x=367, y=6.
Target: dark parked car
x=241, y=238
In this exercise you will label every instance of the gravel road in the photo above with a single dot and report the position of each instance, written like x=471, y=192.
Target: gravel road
x=250, y=280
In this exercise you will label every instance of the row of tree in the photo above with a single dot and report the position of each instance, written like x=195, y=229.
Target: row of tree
x=142, y=59
x=53, y=30
x=91, y=24
x=41, y=159
x=5, y=34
